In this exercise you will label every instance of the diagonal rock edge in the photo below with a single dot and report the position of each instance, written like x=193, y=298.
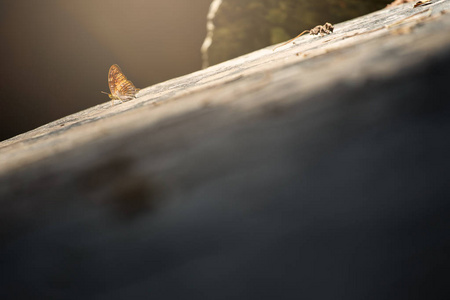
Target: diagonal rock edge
x=97, y=122
x=299, y=171
x=234, y=102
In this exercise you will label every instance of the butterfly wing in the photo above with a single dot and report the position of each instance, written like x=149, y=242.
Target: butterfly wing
x=121, y=88
x=126, y=90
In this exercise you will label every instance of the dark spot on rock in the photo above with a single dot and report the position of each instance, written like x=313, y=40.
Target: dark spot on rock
x=274, y=110
x=117, y=187
x=132, y=196
x=105, y=173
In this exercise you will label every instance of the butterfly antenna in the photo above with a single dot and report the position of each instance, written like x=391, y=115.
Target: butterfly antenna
x=104, y=93
x=304, y=31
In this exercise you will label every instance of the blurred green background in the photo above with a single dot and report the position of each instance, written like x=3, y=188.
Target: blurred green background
x=242, y=26
x=55, y=54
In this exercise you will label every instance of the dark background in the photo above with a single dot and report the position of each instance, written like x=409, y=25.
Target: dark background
x=55, y=54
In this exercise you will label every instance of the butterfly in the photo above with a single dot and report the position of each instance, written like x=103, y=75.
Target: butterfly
x=121, y=88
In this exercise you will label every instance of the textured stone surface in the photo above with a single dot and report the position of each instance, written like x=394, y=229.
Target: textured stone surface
x=319, y=170
x=237, y=27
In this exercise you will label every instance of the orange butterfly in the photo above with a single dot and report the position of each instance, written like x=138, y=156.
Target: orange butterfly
x=121, y=88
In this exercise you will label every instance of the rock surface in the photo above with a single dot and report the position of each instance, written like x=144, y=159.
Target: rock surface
x=319, y=170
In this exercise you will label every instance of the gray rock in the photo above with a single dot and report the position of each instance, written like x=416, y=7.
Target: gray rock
x=319, y=170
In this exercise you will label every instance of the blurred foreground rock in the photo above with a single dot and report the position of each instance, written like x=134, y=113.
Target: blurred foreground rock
x=237, y=27
x=319, y=170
